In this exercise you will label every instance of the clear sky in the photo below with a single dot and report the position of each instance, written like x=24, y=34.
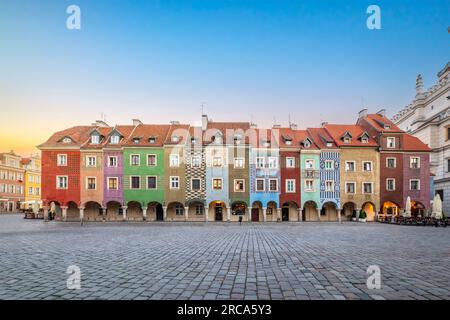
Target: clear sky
x=159, y=60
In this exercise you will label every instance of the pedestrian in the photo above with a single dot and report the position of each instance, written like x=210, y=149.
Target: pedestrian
x=240, y=220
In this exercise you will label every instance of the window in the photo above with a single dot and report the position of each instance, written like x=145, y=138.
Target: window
x=367, y=187
x=3, y=188
x=329, y=186
x=390, y=184
x=38, y=191
x=260, y=162
x=239, y=185
x=350, y=187
x=364, y=140
x=135, y=182
x=151, y=140
x=217, y=184
x=115, y=139
x=135, y=160
x=367, y=166
x=273, y=185
x=67, y=140
x=30, y=190
x=309, y=164
x=329, y=164
x=11, y=188
x=38, y=179
x=448, y=133
x=307, y=144
x=113, y=183
x=260, y=185
x=309, y=185
x=391, y=162
x=136, y=140
x=174, y=160
x=179, y=210
x=199, y=209
x=174, y=182
x=414, y=184
x=195, y=184
x=151, y=160
x=290, y=185
x=390, y=142
x=347, y=140
x=175, y=138
x=95, y=139
x=350, y=166
x=62, y=160
x=91, y=183
x=239, y=163
x=196, y=161
x=91, y=161
x=290, y=162
x=217, y=161
x=112, y=161
x=61, y=182
x=30, y=178
x=12, y=176
x=151, y=182
x=273, y=162
x=414, y=162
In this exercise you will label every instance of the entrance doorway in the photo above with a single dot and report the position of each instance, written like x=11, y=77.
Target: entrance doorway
x=218, y=212
x=255, y=214
x=159, y=212
x=284, y=214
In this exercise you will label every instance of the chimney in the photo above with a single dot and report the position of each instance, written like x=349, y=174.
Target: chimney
x=323, y=124
x=293, y=126
x=382, y=113
x=136, y=122
x=276, y=126
x=204, y=122
x=253, y=125
x=174, y=122
x=362, y=114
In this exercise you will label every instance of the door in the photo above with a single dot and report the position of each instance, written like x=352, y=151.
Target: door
x=218, y=213
x=285, y=214
x=255, y=214
x=159, y=213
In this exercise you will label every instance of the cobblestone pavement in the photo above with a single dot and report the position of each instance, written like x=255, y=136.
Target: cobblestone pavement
x=222, y=261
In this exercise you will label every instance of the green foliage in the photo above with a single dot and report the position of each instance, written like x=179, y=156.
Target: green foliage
x=362, y=215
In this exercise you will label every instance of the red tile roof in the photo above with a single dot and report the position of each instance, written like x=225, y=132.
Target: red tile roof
x=78, y=135
x=411, y=143
x=378, y=121
x=144, y=132
x=337, y=131
x=321, y=138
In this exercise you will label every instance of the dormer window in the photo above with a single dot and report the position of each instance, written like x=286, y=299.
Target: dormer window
x=151, y=140
x=387, y=126
x=390, y=142
x=347, y=140
x=364, y=140
x=95, y=139
x=329, y=144
x=193, y=141
x=218, y=139
x=307, y=143
x=67, y=140
x=175, y=138
x=347, y=137
x=237, y=138
x=288, y=142
x=115, y=139
x=266, y=143
x=136, y=140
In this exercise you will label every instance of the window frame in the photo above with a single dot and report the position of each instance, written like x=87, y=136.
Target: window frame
x=147, y=184
x=411, y=162
x=87, y=183
x=221, y=184
x=293, y=185
x=387, y=142
x=418, y=184
x=58, y=163
x=363, y=166
x=393, y=184
x=332, y=185
x=354, y=166
x=290, y=159
x=156, y=159
x=131, y=160
x=237, y=160
x=332, y=164
x=131, y=182
x=116, y=161
x=270, y=188
x=171, y=180
x=312, y=185
x=108, y=185
x=87, y=161
x=371, y=187
x=263, y=162
x=199, y=184
x=57, y=182
x=387, y=162
x=264, y=185
x=354, y=187
x=243, y=185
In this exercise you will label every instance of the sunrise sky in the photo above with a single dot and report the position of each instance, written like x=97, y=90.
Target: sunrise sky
x=159, y=60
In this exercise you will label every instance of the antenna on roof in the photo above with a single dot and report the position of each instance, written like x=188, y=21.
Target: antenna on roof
x=203, y=105
x=289, y=119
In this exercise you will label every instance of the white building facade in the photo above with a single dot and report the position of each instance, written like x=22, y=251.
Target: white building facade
x=428, y=118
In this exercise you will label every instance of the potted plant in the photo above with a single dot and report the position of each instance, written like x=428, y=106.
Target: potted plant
x=354, y=215
x=362, y=216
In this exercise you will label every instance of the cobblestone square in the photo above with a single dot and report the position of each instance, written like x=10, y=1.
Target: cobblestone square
x=221, y=260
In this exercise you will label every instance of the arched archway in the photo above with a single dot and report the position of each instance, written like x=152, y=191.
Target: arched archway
x=196, y=211
x=134, y=211
x=309, y=211
x=348, y=209
x=329, y=212
x=92, y=211
x=257, y=213
x=155, y=211
x=369, y=209
x=417, y=208
x=390, y=209
x=73, y=212
x=271, y=211
x=289, y=211
x=114, y=211
x=216, y=211
x=175, y=211
x=55, y=210
x=238, y=208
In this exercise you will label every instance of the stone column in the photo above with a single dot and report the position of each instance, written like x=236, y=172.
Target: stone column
x=81, y=214
x=206, y=212
x=104, y=214
x=249, y=219
x=144, y=213
x=45, y=211
x=279, y=214
x=186, y=213
x=124, y=213
x=228, y=214
x=164, y=213
x=318, y=214
x=64, y=213
x=339, y=215
x=300, y=216
x=358, y=210
x=264, y=214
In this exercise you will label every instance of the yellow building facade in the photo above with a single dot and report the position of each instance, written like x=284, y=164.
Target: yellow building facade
x=32, y=192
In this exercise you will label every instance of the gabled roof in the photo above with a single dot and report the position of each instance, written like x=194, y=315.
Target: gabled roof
x=411, y=143
x=338, y=131
x=78, y=135
x=381, y=124
x=179, y=130
x=227, y=130
x=321, y=138
x=145, y=131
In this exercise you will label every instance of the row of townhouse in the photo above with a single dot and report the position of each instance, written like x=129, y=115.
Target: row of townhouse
x=20, y=185
x=220, y=171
